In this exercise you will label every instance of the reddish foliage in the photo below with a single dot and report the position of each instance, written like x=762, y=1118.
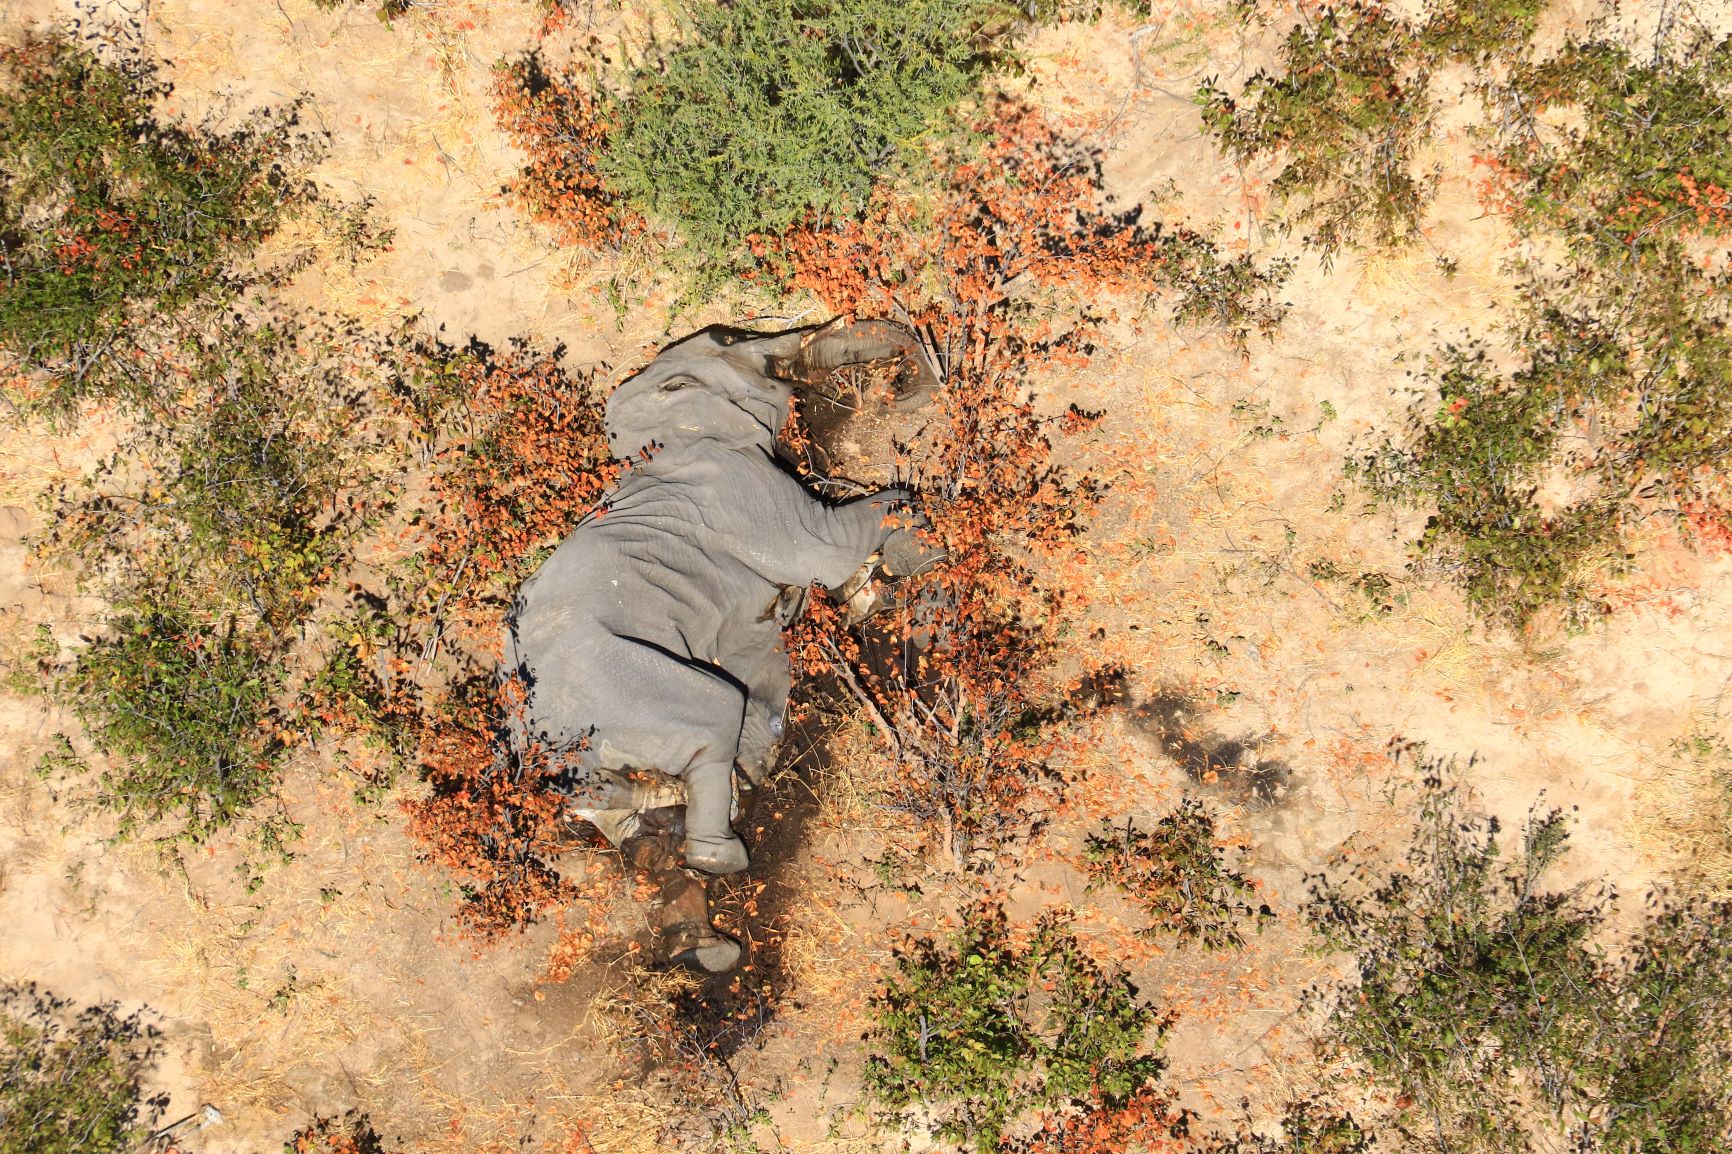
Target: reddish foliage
x=526, y=459
x=1708, y=525
x=1708, y=201
x=1147, y=1122
x=554, y=119
x=965, y=722
x=1028, y=207
x=493, y=819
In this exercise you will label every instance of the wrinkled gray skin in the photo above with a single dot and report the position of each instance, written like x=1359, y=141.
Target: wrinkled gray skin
x=651, y=638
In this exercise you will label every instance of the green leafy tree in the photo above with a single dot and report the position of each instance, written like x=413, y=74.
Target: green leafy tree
x=1485, y=1001
x=72, y=1082
x=1177, y=873
x=213, y=530
x=115, y=218
x=765, y=115
x=984, y=1031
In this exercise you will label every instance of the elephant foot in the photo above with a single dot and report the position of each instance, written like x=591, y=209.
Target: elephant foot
x=701, y=948
x=684, y=935
x=652, y=852
x=716, y=855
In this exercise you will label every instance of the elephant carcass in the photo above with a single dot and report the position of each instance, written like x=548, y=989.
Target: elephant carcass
x=649, y=644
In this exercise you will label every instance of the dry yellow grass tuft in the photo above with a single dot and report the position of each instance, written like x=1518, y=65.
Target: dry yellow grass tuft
x=1683, y=815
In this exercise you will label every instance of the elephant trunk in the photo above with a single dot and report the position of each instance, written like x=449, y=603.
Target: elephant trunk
x=845, y=342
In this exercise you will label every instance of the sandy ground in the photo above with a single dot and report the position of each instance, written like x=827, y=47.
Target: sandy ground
x=334, y=983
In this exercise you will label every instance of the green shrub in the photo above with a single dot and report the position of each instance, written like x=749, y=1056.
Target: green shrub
x=1618, y=397
x=1635, y=175
x=115, y=218
x=1478, y=30
x=1478, y=447
x=249, y=483
x=1484, y=1001
x=1307, y=1127
x=983, y=1031
x=1234, y=294
x=1178, y=875
x=765, y=115
x=179, y=702
x=1467, y=971
x=1352, y=104
x=213, y=530
x=1656, y=1063
x=72, y=1082
x=1634, y=194
x=1348, y=111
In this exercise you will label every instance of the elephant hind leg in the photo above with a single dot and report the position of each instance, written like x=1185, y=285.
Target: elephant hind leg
x=711, y=844
x=684, y=934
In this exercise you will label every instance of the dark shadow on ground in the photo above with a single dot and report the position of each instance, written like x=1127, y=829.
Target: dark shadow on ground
x=1229, y=765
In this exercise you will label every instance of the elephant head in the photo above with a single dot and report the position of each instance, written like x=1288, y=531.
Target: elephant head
x=733, y=387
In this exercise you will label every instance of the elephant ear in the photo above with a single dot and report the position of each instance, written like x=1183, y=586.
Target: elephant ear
x=677, y=410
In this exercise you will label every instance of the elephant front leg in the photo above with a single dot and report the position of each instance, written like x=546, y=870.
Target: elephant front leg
x=711, y=844
x=764, y=672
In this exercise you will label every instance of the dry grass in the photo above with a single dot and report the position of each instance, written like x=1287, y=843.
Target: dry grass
x=249, y=994
x=851, y=777
x=35, y=457
x=1683, y=814
x=829, y=958
x=638, y=1003
x=621, y=1119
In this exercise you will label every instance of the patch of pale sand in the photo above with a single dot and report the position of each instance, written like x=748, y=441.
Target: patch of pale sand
x=408, y=111
x=331, y=983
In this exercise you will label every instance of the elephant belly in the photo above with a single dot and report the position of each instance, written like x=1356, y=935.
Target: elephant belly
x=638, y=655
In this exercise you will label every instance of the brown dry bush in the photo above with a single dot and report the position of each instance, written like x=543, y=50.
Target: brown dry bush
x=989, y=271
x=519, y=456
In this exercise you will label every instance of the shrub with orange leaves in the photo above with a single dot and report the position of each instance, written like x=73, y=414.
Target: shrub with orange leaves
x=1147, y=1122
x=492, y=818
x=555, y=120
x=520, y=458
x=350, y=1134
x=958, y=701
